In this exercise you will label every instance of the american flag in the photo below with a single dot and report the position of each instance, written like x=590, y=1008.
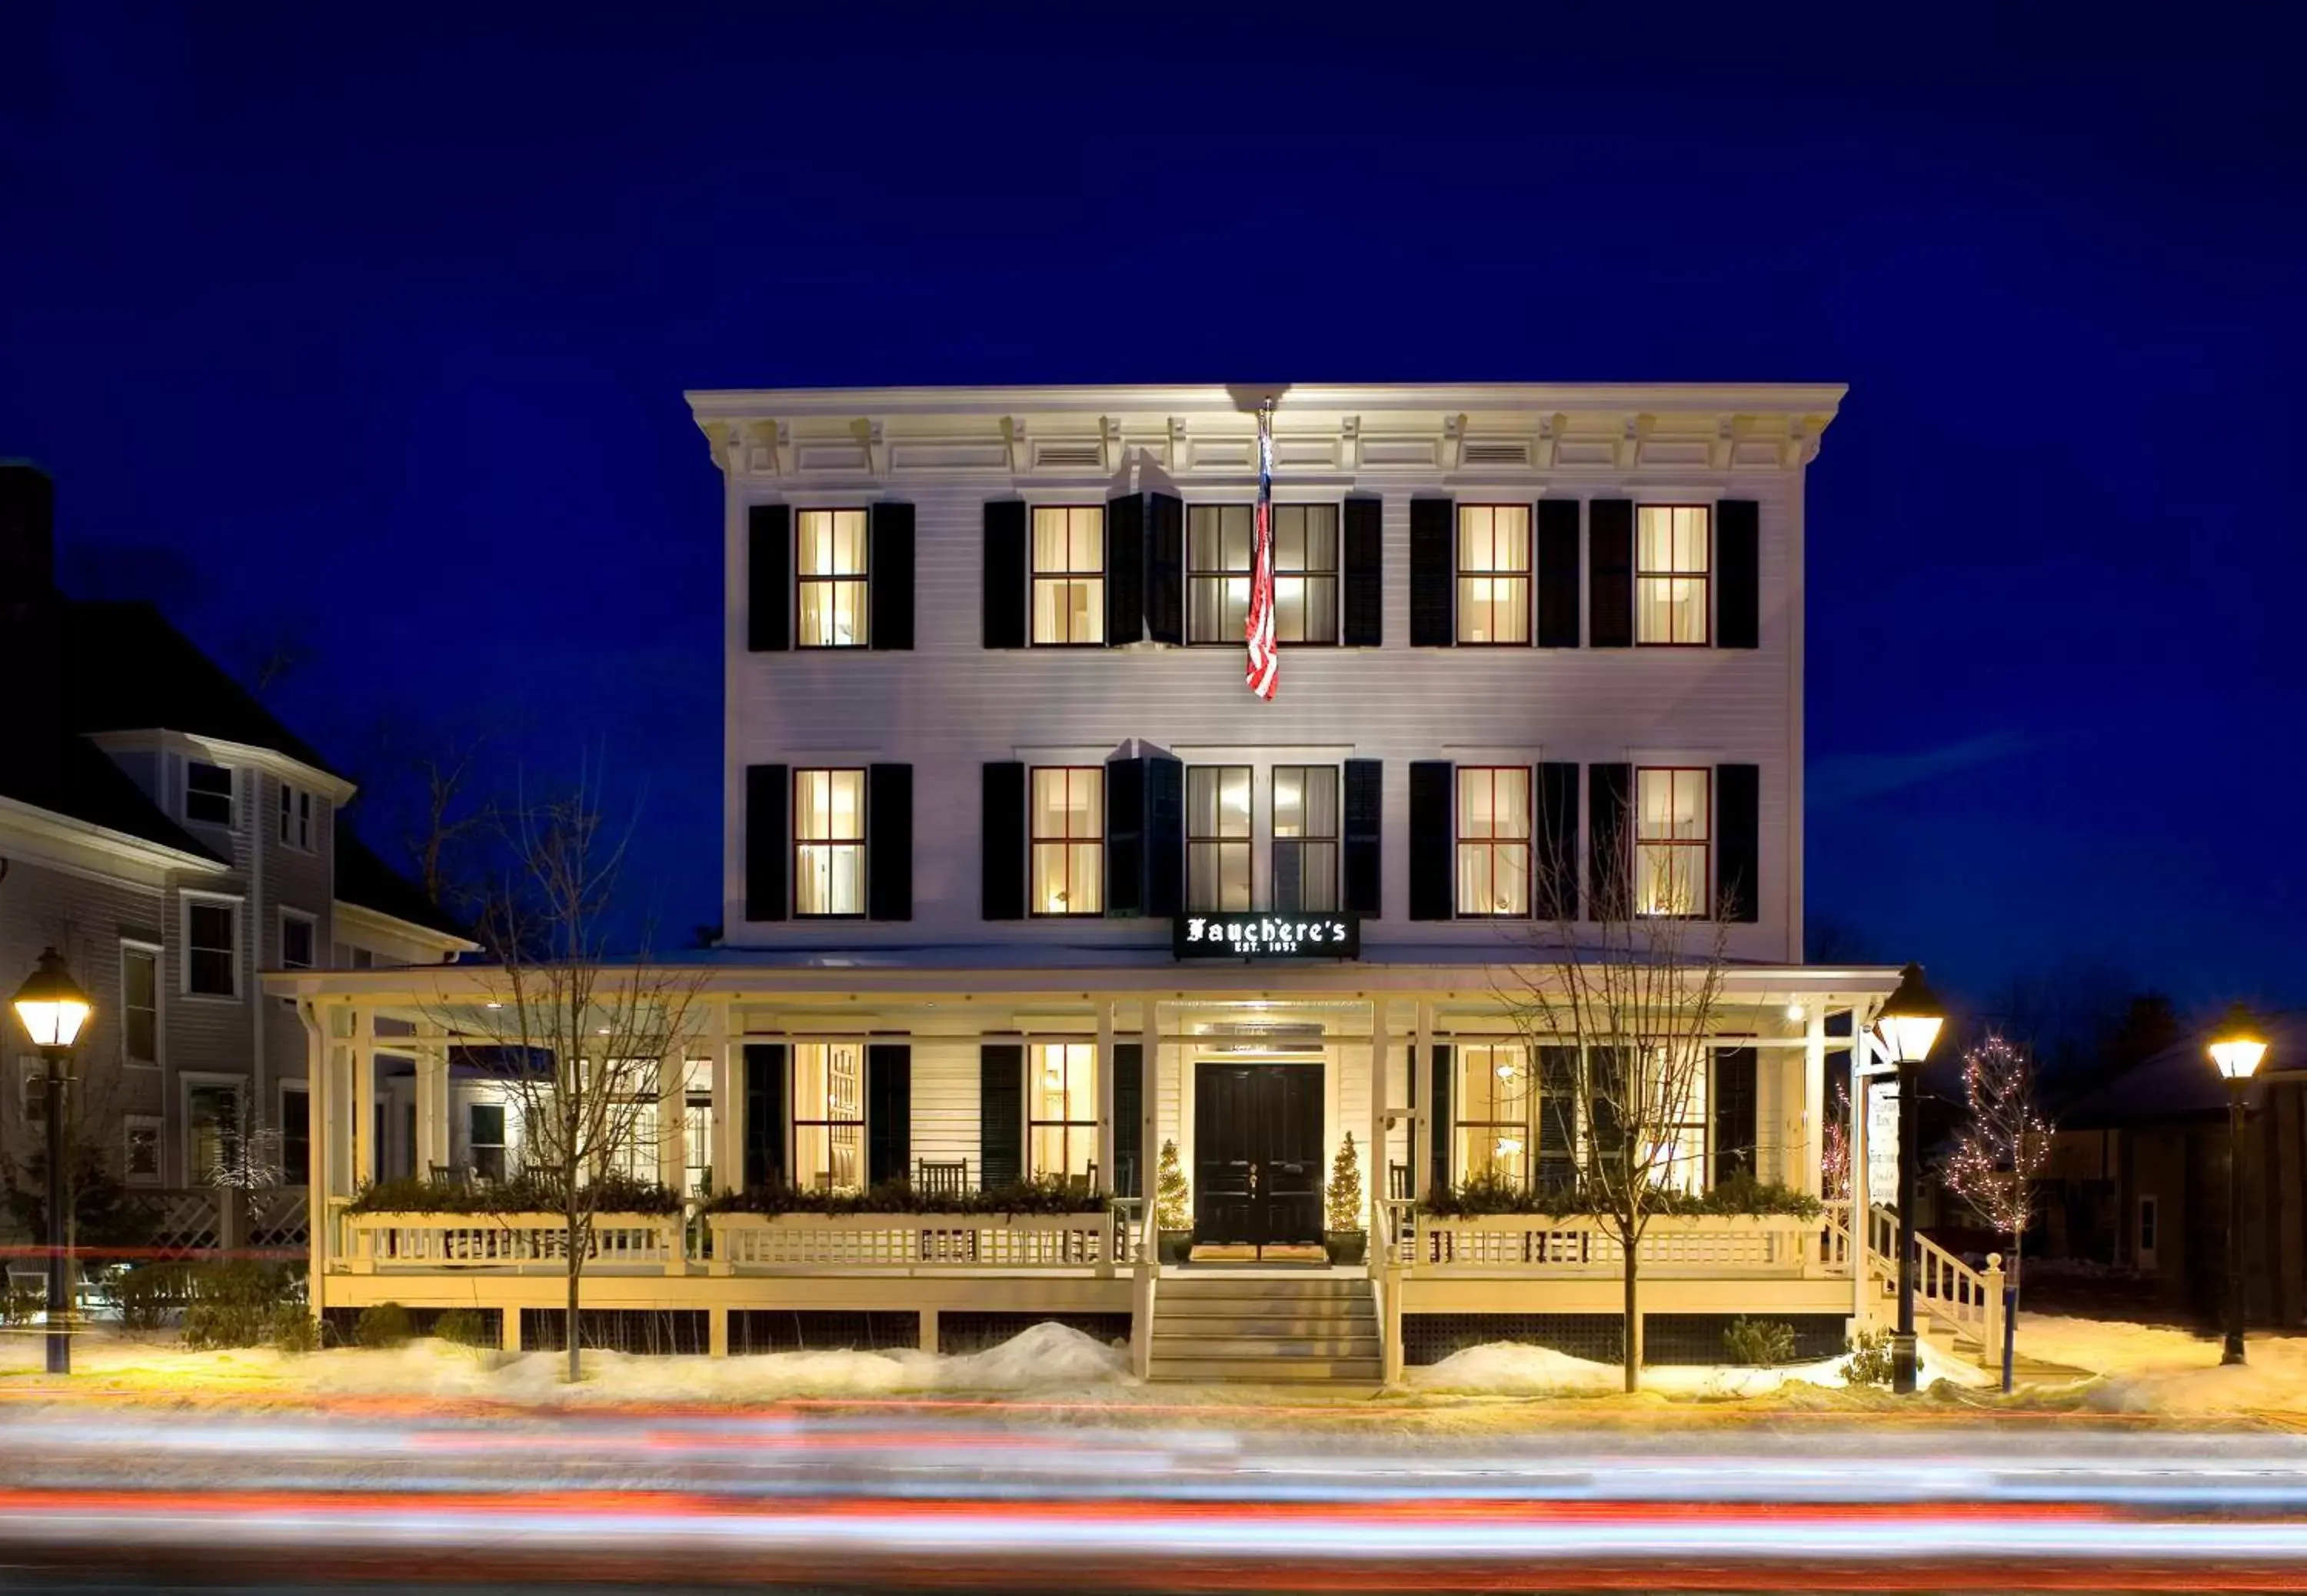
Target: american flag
x=1264, y=659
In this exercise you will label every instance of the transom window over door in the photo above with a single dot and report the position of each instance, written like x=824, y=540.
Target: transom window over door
x=1220, y=551
x=1671, y=550
x=1061, y=1108
x=1305, y=837
x=1068, y=574
x=828, y=1116
x=1492, y=1108
x=831, y=578
x=1672, y=815
x=1493, y=841
x=1068, y=839
x=1217, y=836
x=829, y=843
x=1494, y=573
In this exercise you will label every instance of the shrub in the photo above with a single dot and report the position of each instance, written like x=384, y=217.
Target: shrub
x=525, y=1193
x=294, y=1330
x=1870, y=1360
x=148, y=1293
x=1741, y=1196
x=462, y=1327
x=1766, y=1342
x=26, y=1300
x=1043, y=1194
x=383, y=1325
x=1342, y=1202
x=238, y=1303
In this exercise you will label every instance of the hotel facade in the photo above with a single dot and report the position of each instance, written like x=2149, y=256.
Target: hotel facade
x=1021, y=883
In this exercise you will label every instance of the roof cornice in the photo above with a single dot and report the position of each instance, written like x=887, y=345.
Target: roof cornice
x=49, y=825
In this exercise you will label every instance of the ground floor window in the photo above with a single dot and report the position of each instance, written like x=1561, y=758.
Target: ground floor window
x=828, y=1116
x=484, y=1145
x=295, y=1137
x=1492, y=1108
x=211, y=1133
x=141, y=1151
x=1061, y=1109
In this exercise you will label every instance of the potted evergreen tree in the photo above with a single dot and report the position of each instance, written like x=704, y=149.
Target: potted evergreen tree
x=1173, y=1216
x=1345, y=1240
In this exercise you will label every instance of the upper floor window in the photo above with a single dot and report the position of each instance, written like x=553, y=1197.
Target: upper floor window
x=296, y=940
x=1068, y=831
x=140, y=1004
x=1306, y=573
x=1672, y=546
x=1061, y=1108
x=1305, y=837
x=1068, y=574
x=1673, y=827
x=831, y=578
x=213, y=947
x=1221, y=541
x=296, y=817
x=207, y=792
x=1494, y=573
x=1494, y=833
x=828, y=1116
x=1217, y=837
x=829, y=843
x=1218, y=539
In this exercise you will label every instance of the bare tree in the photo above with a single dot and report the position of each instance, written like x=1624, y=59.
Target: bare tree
x=1834, y=1155
x=2001, y=1147
x=585, y=1031
x=1626, y=1006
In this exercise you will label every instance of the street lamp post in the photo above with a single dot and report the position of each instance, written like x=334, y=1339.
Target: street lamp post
x=52, y=1008
x=1905, y=1026
x=2237, y=1049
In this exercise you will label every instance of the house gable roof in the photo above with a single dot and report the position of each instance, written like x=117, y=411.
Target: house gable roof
x=70, y=776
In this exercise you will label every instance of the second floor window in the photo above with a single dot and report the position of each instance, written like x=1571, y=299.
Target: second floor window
x=207, y=793
x=1068, y=574
x=213, y=948
x=1673, y=813
x=1068, y=840
x=1220, y=551
x=1305, y=837
x=295, y=941
x=140, y=1005
x=829, y=843
x=1494, y=573
x=1671, y=549
x=828, y=1116
x=1493, y=841
x=831, y=578
x=1217, y=837
x=296, y=817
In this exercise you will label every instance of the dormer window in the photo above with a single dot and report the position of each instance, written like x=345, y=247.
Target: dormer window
x=207, y=793
x=295, y=818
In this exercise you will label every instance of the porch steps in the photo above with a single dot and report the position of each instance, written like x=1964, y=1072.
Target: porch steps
x=1266, y=1328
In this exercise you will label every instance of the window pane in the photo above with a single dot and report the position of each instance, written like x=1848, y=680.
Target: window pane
x=830, y=805
x=207, y=793
x=1239, y=535
x=1084, y=879
x=1321, y=623
x=1207, y=603
x=1050, y=539
x=1086, y=538
x=1510, y=878
x=1202, y=537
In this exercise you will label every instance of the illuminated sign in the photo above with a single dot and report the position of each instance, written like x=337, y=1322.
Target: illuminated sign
x=1882, y=1143
x=1250, y=934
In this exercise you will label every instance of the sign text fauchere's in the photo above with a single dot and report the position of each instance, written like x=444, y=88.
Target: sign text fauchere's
x=1255, y=935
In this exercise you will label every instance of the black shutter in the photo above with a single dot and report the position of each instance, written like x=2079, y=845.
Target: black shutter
x=1606, y=1129
x=1002, y=842
x=1610, y=567
x=1365, y=816
x=1738, y=842
x=1558, y=1118
x=1609, y=858
x=1127, y=1178
x=1125, y=838
x=769, y=835
x=1438, y=1112
x=768, y=577
x=1737, y=574
x=889, y=842
x=765, y=1115
x=889, y=575
x=1432, y=840
x=1558, y=573
x=1165, y=567
x=1733, y=1097
x=1362, y=557
x=1557, y=842
x=1000, y=1115
x=1125, y=570
x=888, y=1112
x=1433, y=578
x=1005, y=573
x=1165, y=835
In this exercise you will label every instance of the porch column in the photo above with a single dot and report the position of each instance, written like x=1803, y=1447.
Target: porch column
x=364, y=1104
x=318, y=1173
x=1421, y=1103
x=728, y=1173
x=671, y=1119
x=1105, y=1091
x=431, y=1110
x=1862, y=1218
x=1149, y=1100
x=1374, y=1152
x=1814, y=1106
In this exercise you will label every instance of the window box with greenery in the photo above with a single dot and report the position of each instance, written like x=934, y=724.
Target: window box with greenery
x=1043, y=1223
x=1344, y=1239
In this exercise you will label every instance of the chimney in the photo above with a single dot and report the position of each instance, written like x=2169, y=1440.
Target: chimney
x=27, y=534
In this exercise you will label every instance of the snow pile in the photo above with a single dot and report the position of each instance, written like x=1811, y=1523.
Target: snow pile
x=1508, y=1368
x=1512, y=1369
x=2157, y=1369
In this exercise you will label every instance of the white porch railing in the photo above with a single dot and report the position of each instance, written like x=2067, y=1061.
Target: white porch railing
x=1946, y=1289
x=383, y=1242
x=847, y=1242
x=1581, y=1246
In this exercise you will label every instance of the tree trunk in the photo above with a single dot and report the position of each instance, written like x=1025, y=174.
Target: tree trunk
x=2010, y=1309
x=576, y=1272
x=1631, y=1340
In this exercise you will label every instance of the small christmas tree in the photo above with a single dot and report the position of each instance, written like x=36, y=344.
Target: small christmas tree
x=1345, y=1194
x=1171, y=1198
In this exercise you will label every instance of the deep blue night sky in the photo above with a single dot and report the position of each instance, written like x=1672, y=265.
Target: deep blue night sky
x=382, y=322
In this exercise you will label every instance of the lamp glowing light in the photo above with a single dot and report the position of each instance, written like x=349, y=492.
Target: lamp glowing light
x=2236, y=1046
x=1909, y=1020
x=50, y=1006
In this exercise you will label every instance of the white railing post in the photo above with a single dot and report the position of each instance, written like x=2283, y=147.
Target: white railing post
x=1989, y=1351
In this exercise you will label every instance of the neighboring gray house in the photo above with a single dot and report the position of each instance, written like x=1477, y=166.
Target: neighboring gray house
x=171, y=839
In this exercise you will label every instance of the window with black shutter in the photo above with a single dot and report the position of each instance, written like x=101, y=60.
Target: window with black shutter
x=1610, y=572
x=768, y=577
x=1365, y=814
x=1444, y=1062
x=888, y=1112
x=1125, y=837
x=1734, y=1120
x=891, y=562
x=1165, y=835
x=766, y=839
x=1558, y=573
x=1165, y=567
x=1125, y=573
x=889, y=842
x=1000, y=1113
x=1433, y=607
x=1001, y=841
x=765, y=1115
x=1610, y=862
x=1738, y=573
x=1128, y=1118
x=1363, y=559
x=1004, y=599
x=1432, y=840
x=1557, y=842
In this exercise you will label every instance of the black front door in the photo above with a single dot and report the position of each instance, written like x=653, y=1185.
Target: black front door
x=1258, y=1152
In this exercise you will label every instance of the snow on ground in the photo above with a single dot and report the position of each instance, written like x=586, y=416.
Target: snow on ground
x=1506, y=1368
x=2157, y=1369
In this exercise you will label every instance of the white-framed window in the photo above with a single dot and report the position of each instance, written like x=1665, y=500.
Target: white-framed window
x=1491, y=1111
x=1672, y=826
x=485, y=1138
x=140, y=1004
x=207, y=793
x=295, y=818
x=140, y=1149
x=298, y=931
x=1068, y=840
x=1061, y=1108
x=1673, y=545
x=832, y=579
x=1678, y=1099
x=295, y=1134
x=211, y=1126
x=348, y=955
x=1221, y=548
x=829, y=843
x=1068, y=574
x=211, y=945
x=1305, y=837
x=1493, y=574
x=828, y=1116
x=1217, y=837
x=1494, y=831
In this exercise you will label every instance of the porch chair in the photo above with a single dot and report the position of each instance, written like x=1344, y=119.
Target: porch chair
x=1084, y=1183
x=1397, y=1183
x=934, y=1179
